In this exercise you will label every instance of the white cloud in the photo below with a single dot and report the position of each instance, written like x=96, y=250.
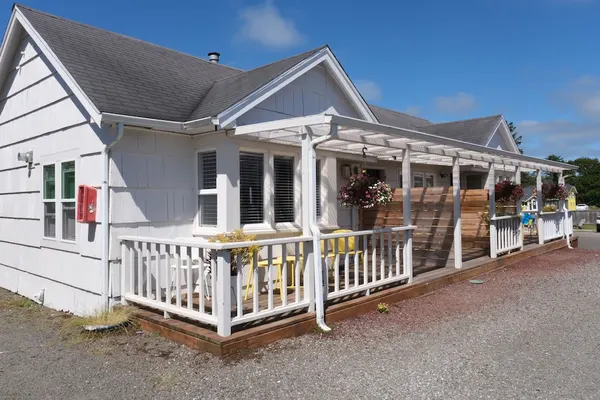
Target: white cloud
x=369, y=90
x=582, y=96
x=566, y=138
x=460, y=103
x=265, y=25
x=412, y=110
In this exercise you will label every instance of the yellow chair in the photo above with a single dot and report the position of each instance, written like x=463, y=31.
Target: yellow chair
x=277, y=263
x=341, y=246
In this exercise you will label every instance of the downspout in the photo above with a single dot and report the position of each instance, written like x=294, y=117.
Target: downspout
x=314, y=228
x=106, y=216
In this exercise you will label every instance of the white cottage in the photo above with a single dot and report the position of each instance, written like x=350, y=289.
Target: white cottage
x=181, y=147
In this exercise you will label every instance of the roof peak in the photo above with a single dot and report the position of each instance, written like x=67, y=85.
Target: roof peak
x=20, y=6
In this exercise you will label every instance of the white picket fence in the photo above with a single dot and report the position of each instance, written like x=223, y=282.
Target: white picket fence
x=508, y=233
x=552, y=225
x=201, y=281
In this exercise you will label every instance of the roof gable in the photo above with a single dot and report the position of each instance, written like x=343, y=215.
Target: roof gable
x=476, y=131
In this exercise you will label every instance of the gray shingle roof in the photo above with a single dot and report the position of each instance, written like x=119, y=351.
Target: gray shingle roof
x=476, y=131
x=398, y=119
x=228, y=91
x=128, y=76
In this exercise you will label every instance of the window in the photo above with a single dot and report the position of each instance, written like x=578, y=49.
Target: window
x=474, y=182
x=49, y=202
x=207, y=188
x=421, y=179
x=251, y=188
x=59, y=201
x=284, y=188
x=318, y=188
x=68, y=200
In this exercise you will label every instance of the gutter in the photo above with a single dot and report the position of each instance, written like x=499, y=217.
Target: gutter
x=190, y=127
x=105, y=218
x=314, y=228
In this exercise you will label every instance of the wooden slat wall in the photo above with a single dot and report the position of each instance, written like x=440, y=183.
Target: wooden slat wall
x=432, y=212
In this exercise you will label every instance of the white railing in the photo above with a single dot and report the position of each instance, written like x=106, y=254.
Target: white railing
x=200, y=280
x=508, y=233
x=363, y=260
x=552, y=225
x=569, y=223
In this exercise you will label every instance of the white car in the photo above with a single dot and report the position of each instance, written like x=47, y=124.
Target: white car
x=582, y=207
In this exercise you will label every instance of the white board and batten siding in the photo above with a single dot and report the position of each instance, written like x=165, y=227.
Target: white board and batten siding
x=39, y=113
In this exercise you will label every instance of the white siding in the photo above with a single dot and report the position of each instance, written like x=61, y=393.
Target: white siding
x=498, y=141
x=39, y=113
x=311, y=93
x=152, y=181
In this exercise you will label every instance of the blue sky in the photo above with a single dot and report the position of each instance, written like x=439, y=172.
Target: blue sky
x=535, y=61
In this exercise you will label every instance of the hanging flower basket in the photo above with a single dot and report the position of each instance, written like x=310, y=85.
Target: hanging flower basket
x=364, y=191
x=553, y=191
x=508, y=191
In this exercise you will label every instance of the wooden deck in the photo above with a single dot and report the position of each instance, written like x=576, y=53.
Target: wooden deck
x=203, y=339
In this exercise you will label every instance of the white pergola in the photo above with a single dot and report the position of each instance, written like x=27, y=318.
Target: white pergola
x=351, y=135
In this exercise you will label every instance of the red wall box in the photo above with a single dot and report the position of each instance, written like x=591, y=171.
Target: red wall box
x=86, y=204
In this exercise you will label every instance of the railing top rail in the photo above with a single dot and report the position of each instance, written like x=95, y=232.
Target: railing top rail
x=215, y=246
x=550, y=213
x=506, y=217
x=367, y=232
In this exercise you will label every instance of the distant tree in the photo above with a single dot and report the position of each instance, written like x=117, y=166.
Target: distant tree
x=587, y=180
x=553, y=177
x=518, y=138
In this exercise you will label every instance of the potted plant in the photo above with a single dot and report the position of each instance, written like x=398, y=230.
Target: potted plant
x=364, y=191
x=244, y=253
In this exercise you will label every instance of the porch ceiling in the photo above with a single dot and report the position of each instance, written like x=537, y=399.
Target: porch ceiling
x=351, y=135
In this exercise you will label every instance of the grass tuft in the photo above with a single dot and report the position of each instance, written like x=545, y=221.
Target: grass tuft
x=18, y=302
x=119, y=316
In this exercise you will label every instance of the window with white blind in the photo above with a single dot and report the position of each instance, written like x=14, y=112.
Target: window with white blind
x=283, y=188
x=207, y=188
x=252, y=169
x=318, y=188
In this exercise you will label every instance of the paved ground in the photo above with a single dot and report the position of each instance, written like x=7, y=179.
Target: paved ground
x=589, y=240
x=528, y=332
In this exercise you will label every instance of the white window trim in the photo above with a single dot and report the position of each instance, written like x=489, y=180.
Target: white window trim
x=57, y=160
x=204, y=229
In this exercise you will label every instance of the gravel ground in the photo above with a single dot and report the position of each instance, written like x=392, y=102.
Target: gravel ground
x=529, y=332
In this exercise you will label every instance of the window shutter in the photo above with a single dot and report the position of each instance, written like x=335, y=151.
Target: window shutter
x=284, y=188
x=207, y=186
x=318, y=188
x=251, y=188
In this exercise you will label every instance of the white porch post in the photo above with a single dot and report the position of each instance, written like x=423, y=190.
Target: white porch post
x=565, y=210
x=540, y=202
x=406, y=213
x=223, y=282
x=457, y=215
x=228, y=190
x=520, y=207
x=492, y=195
x=309, y=269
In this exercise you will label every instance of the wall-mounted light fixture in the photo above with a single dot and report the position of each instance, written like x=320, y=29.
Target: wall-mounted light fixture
x=443, y=174
x=25, y=157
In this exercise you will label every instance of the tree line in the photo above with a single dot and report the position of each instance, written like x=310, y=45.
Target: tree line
x=586, y=178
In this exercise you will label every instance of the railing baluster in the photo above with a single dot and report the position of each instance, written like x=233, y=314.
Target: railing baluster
x=397, y=253
x=132, y=267
x=390, y=263
x=255, y=294
x=178, y=276
x=124, y=260
x=140, y=266
x=148, y=270
x=284, y=271
x=325, y=256
x=189, y=282
x=213, y=282
x=346, y=265
x=297, y=268
x=336, y=265
x=158, y=274
x=238, y=284
x=356, y=260
x=382, y=255
x=201, y=280
x=168, y=274
x=270, y=275
x=365, y=259
x=374, y=258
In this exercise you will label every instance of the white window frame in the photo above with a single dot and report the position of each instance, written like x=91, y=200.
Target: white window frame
x=57, y=160
x=202, y=192
x=424, y=175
